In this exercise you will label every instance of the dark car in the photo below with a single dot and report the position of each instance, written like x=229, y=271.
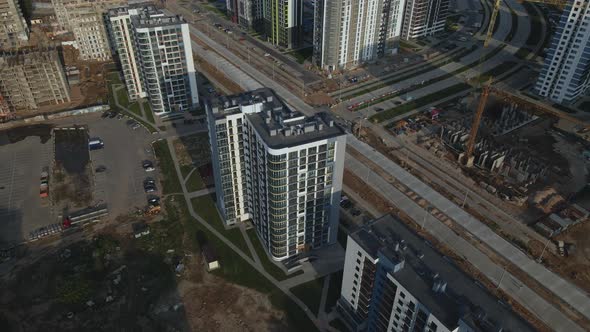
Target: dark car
x=149, y=188
x=355, y=212
x=105, y=114
x=148, y=166
x=112, y=115
x=149, y=182
x=153, y=200
x=346, y=204
x=100, y=169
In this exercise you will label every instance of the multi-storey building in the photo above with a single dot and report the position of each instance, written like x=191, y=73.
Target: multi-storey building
x=30, y=79
x=85, y=20
x=246, y=13
x=14, y=31
x=393, y=280
x=351, y=32
x=156, y=57
x=424, y=17
x=566, y=71
x=279, y=168
x=283, y=22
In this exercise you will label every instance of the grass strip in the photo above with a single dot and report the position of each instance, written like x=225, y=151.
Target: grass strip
x=170, y=182
x=269, y=266
x=310, y=293
x=205, y=207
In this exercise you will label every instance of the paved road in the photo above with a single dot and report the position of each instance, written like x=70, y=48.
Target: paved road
x=560, y=287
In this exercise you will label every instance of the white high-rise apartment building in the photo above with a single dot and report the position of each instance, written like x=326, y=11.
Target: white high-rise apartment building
x=14, y=31
x=85, y=20
x=348, y=33
x=424, y=17
x=156, y=56
x=393, y=280
x=566, y=72
x=279, y=168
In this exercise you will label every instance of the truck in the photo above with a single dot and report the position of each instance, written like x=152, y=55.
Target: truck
x=95, y=144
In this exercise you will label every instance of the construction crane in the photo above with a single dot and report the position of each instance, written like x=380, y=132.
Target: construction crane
x=487, y=88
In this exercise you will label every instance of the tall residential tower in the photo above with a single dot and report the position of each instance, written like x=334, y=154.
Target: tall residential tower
x=424, y=17
x=283, y=22
x=156, y=57
x=350, y=32
x=279, y=168
x=566, y=72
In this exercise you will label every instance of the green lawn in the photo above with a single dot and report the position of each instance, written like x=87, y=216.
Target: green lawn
x=310, y=293
x=170, y=182
x=334, y=290
x=185, y=169
x=269, y=266
x=134, y=107
x=194, y=182
x=149, y=114
x=205, y=207
x=114, y=79
x=123, y=99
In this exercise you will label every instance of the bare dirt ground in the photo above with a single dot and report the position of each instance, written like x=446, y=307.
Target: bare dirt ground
x=110, y=283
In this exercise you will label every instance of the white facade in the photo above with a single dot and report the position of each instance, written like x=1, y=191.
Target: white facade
x=351, y=32
x=424, y=17
x=278, y=168
x=155, y=51
x=566, y=72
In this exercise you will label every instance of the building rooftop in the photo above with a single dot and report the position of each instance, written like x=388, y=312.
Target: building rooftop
x=435, y=281
x=152, y=19
x=276, y=124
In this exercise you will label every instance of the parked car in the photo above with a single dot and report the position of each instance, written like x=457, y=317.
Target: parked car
x=100, y=169
x=112, y=115
x=149, y=188
x=148, y=166
x=135, y=126
x=149, y=182
x=153, y=200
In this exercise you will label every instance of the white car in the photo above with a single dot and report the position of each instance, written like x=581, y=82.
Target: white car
x=148, y=166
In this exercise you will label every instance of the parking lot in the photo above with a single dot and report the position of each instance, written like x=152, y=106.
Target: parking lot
x=120, y=185
x=21, y=210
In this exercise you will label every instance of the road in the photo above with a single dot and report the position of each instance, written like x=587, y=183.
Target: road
x=541, y=308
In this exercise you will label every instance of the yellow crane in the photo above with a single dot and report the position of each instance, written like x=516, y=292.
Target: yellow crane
x=487, y=88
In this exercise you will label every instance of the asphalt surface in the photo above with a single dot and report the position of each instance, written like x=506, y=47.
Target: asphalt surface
x=21, y=209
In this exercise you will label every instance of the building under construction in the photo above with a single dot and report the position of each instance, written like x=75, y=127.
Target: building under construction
x=14, y=31
x=30, y=79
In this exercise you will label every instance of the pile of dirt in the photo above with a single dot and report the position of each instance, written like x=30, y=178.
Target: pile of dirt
x=547, y=200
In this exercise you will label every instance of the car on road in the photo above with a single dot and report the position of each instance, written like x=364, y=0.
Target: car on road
x=148, y=166
x=100, y=169
x=397, y=102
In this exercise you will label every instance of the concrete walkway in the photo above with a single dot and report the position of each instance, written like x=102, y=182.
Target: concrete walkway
x=199, y=193
x=250, y=245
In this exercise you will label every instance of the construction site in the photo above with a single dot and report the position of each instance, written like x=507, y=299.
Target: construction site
x=521, y=174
